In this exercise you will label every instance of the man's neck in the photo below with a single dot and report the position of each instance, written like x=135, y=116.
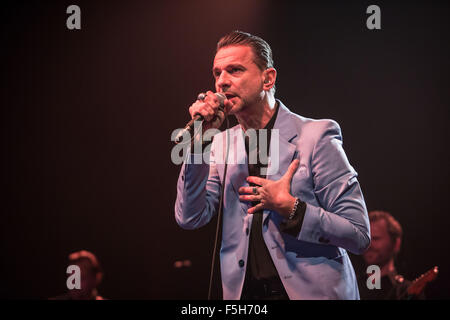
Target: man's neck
x=387, y=268
x=258, y=115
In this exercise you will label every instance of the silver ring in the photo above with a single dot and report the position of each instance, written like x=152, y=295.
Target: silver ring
x=255, y=190
x=201, y=96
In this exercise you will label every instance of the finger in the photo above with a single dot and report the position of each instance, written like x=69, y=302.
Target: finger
x=212, y=99
x=257, y=180
x=203, y=109
x=210, y=112
x=256, y=208
x=291, y=170
x=227, y=105
x=201, y=96
x=250, y=198
x=246, y=190
x=205, y=112
x=212, y=95
x=193, y=109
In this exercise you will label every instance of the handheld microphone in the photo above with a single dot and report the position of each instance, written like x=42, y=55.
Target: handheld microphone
x=198, y=117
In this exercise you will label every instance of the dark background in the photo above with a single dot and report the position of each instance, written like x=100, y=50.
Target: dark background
x=87, y=117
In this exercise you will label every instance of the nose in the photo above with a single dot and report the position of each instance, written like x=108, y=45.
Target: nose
x=223, y=81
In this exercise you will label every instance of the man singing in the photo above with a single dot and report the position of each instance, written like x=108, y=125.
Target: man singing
x=285, y=235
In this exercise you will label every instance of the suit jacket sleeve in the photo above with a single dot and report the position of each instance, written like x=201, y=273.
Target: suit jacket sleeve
x=341, y=219
x=198, y=191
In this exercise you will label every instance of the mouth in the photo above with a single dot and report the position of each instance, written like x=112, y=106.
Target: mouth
x=230, y=95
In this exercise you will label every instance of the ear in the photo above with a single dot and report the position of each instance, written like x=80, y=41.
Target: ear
x=269, y=76
x=397, y=245
x=98, y=278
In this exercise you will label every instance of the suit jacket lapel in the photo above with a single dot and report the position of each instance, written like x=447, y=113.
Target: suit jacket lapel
x=238, y=167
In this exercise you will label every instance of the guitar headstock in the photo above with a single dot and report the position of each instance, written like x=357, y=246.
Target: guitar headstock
x=419, y=284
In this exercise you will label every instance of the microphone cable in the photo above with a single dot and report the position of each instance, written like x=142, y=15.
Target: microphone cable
x=219, y=217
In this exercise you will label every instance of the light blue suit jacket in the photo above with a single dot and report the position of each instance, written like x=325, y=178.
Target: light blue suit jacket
x=312, y=265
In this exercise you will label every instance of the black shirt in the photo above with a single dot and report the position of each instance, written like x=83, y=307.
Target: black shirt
x=260, y=265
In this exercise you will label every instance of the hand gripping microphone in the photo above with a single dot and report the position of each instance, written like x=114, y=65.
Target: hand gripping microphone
x=198, y=117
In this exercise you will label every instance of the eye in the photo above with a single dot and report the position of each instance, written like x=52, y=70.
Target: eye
x=216, y=73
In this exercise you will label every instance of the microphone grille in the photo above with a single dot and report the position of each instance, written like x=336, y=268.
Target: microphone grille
x=221, y=97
